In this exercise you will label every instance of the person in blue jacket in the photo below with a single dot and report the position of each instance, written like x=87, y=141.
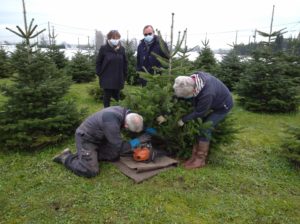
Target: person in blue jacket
x=112, y=67
x=150, y=44
x=212, y=101
x=98, y=138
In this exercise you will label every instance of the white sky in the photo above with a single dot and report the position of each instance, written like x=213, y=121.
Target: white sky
x=75, y=20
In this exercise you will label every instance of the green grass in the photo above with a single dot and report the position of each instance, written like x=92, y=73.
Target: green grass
x=245, y=182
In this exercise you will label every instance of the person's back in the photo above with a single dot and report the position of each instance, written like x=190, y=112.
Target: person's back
x=111, y=118
x=215, y=88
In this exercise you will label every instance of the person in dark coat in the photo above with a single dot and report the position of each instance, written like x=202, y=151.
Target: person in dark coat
x=111, y=67
x=212, y=101
x=150, y=44
x=98, y=138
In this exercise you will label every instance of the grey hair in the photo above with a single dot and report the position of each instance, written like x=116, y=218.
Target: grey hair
x=134, y=122
x=184, y=86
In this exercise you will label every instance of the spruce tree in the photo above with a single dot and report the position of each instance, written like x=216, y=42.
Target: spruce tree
x=130, y=51
x=57, y=56
x=81, y=68
x=5, y=65
x=206, y=60
x=231, y=69
x=35, y=113
x=270, y=82
x=291, y=144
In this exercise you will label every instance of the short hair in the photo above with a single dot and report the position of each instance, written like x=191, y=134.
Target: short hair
x=184, y=86
x=113, y=34
x=134, y=122
x=147, y=26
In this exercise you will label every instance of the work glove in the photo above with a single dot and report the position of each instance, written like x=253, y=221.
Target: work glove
x=180, y=123
x=151, y=131
x=161, y=119
x=137, y=141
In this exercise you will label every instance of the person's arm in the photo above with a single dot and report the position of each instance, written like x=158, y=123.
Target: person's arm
x=99, y=61
x=202, y=107
x=138, y=61
x=125, y=71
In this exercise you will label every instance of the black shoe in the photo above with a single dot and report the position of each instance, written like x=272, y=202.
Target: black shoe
x=61, y=157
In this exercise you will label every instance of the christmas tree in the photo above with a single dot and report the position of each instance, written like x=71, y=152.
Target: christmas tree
x=81, y=68
x=5, y=65
x=206, y=60
x=271, y=82
x=291, y=144
x=35, y=113
x=231, y=69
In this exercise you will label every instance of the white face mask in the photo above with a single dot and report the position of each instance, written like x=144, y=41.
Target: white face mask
x=148, y=38
x=114, y=42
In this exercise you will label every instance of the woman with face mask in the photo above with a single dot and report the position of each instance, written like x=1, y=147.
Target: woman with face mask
x=111, y=67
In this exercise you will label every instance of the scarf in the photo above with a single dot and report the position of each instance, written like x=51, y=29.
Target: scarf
x=199, y=84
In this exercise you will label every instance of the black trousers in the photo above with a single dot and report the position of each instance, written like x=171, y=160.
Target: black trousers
x=108, y=94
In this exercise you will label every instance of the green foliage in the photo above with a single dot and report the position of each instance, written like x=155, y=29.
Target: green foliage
x=81, y=68
x=206, y=60
x=19, y=57
x=291, y=144
x=5, y=66
x=97, y=93
x=270, y=83
x=57, y=56
x=35, y=114
x=129, y=50
x=231, y=69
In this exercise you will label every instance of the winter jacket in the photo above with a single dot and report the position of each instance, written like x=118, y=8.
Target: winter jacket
x=111, y=67
x=105, y=126
x=145, y=58
x=213, y=96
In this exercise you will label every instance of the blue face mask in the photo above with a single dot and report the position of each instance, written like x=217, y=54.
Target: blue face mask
x=188, y=97
x=114, y=42
x=148, y=38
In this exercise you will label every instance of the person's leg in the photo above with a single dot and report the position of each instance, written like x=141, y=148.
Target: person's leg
x=214, y=118
x=106, y=97
x=200, y=150
x=116, y=94
x=85, y=161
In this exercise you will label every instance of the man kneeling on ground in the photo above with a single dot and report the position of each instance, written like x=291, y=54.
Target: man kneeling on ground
x=98, y=138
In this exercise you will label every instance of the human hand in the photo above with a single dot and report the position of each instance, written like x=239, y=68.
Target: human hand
x=137, y=141
x=180, y=123
x=161, y=119
x=151, y=131
x=144, y=138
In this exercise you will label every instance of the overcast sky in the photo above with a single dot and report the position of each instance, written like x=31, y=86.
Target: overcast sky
x=218, y=19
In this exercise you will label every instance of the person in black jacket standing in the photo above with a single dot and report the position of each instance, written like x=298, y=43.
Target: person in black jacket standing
x=212, y=101
x=150, y=44
x=111, y=67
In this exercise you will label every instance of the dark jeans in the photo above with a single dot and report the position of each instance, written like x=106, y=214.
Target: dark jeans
x=214, y=117
x=108, y=94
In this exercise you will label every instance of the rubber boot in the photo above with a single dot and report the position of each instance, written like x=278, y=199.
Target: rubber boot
x=200, y=156
x=61, y=157
x=191, y=160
